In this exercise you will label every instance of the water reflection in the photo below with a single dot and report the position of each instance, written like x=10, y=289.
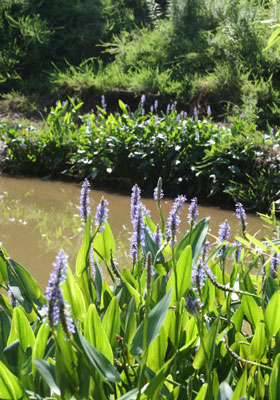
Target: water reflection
x=40, y=217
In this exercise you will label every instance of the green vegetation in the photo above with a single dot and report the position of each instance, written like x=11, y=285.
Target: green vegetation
x=197, y=52
x=197, y=157
x=183, y=322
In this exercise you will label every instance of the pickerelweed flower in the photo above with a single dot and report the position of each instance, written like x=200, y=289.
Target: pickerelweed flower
x=157, y=236
x=84, y=200
x=143, y=99
x=174, y=219
x=205, y=249
x=274, y=265
x=137, y=238
x=223, y=235
x=241, y=215
x=193, y=212
x=135, y=202
x=57, y=310
x=199, y=276
x=101, y=215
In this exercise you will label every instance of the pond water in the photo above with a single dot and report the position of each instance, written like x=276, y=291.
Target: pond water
x=38, y=218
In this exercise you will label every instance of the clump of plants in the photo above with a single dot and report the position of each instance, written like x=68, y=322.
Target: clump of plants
x=193, y=154
x=177, y=320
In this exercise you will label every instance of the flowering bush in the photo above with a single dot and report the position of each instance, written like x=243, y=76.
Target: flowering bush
x=185, y=321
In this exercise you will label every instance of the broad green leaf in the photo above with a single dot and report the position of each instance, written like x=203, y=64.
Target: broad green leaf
x=21, y=330
x=225, y=392
x=47, y=372
x=98, y=361
x=28, y=286
x=95, y=333
x=83, y=255
x=40, y=343
x=237, y=318
x=274, y=383
x=273, y=323
x=157, y=351
x=66, y=365
x=133, y=292
x=74, y=296
x=103, y=243
x=150, y=223
x=5, y=327
x=111, y=321
x=156, y=319
x=259, y=342
x=131, y=395
x=123, y=107
x=252, y=311
x=151, y=246
x=154, y=388
x=202, y=393
x=184, y=274
x=130, y=321
x=209, y=339
x=196, y=239
x=10, y=387
x=241, y=388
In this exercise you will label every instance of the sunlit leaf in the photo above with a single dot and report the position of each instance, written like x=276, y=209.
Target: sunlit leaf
x=10, y=387
x=47, y=372
x=21, y=330
x=156, y=319
x=273, y=323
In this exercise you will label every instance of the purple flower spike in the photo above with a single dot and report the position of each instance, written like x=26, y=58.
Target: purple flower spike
x=223, y=235
x=135, y=202
x=193, y=212
x=241, y=215
x=101, y=215
x=84, y=200
x=158, y=194
x=137, y=238
x=57, y=309
x=157, y=236
x=174, y=220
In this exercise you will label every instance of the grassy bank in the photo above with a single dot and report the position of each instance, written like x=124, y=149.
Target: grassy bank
x=197, y=52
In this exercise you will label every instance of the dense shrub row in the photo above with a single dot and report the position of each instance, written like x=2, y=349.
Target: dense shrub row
x=194, y=156
x=185, y=321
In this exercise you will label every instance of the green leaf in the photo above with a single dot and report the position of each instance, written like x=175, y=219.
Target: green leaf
x=98, y=361
x=40, y=343
x=111, y=321
x=74, y=296
x=209, y=339
x=196, y=239
x=130, y=321
x=225, y=392
x=27, y=285
x=274, y=384
x=103, y=243
x=184, y=274
x=241, y=388
x=47, y=372
x=154, y=388
x=83, y=255
x=156, y=319
x=272, y=323
x=202, y=393
x=5, y=327
x=95, y=333
x=123, y=107
x=10, y=387
x=259, y=342
x=157, y=351
x=252, y=311
x=21, y=330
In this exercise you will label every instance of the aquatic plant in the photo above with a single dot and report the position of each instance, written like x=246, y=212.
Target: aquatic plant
x=170, y=325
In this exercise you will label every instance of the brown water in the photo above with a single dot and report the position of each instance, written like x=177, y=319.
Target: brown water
x=38, y=218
